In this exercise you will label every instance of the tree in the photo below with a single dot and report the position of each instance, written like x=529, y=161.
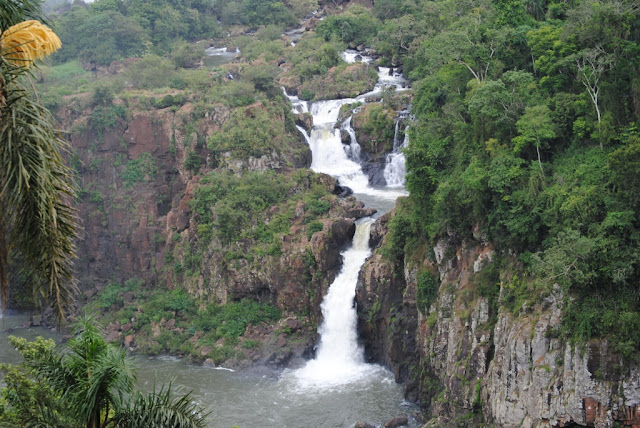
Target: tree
x=535, y=128
x=90, y=384
x=37, y=224
x=592, y=64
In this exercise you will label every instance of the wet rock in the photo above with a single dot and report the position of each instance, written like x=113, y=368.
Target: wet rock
x=363, y=425
x=345, y=137
x=282, y=341
x=343, y=191
x=398, y=421
x=293, y=324
x=375, y=171
x=209, y=363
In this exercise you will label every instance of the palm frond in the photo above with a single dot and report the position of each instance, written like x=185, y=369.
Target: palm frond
x=36, y=190
x=15, y=11
x=158, y=410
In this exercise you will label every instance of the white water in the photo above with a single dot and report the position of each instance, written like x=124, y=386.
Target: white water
x=353, y=150
x=395, y=170
x=339, y=359
x=219, y=56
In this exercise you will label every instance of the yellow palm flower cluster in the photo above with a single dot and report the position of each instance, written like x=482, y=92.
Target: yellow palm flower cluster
x=23, y=43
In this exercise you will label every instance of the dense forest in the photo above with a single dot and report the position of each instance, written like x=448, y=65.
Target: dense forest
x=527, y=132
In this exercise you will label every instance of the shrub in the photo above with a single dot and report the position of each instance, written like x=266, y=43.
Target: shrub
x=427, y=291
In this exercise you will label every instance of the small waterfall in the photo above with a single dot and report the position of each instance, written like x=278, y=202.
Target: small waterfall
x=395, y=169
x=353, y=150
x=304, y=134
x=339, y=359
x=297, y=105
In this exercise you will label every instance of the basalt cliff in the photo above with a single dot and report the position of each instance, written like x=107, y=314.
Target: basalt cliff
x=470, y=361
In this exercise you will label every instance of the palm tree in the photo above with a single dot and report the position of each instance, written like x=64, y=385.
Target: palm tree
x=37, y=224
x=91, y=383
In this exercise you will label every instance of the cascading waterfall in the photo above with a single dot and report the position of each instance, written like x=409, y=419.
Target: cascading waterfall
x=339, y=359
x=353, y=150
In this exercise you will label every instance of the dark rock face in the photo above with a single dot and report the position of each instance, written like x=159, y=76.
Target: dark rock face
x=374, y=169
x=131, y=227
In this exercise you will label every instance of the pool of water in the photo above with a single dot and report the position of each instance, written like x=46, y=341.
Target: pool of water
x=250, y=399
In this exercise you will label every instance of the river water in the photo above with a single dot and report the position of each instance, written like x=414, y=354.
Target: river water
x=337, y=388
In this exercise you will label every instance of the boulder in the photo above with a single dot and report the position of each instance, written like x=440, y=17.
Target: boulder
x=398, y=421
x=128, y=340
x=129, y=297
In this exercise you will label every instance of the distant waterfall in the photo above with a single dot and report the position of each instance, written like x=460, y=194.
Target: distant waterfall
x=395, y=168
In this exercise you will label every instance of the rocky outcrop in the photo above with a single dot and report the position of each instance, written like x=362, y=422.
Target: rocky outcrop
x=468, y=361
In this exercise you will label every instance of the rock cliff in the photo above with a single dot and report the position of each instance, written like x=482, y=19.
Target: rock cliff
x=468, y=359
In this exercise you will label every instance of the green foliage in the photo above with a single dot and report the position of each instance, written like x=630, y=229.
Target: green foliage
x=88, y=384
x=507, y=141
x=377, y=123
x=231, y=320
x=319, y=206
x=104, y=118
x=151, y=71
x=255, y=131
x=313, y=227
x=138, y=170
x=356, y=26
x=193, y=162
x=427, y=291
x=99, y=36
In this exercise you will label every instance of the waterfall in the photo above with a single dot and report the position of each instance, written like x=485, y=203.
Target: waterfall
x=339, y=359
x=353, y=150
x=395, y=168
x=304, y=134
